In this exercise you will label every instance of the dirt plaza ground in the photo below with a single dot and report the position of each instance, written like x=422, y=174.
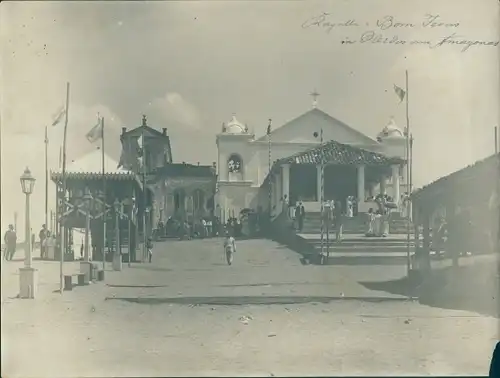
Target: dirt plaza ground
x=188, y=313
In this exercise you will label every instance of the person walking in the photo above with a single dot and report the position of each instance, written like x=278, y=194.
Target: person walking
x=10, y=239
x=229, y=247
x=149, y=247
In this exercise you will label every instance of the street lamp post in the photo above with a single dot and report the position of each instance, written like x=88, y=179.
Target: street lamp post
x=117, y=256
x=28, y=276
x=85, y=265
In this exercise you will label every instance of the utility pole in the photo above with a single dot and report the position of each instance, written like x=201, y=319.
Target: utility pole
x=497, y=142
x=322, y=193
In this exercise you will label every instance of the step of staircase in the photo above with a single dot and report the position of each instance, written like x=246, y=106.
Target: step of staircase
x=361, y=250
x=370, y=249
x=393, y=259
x=357, y=224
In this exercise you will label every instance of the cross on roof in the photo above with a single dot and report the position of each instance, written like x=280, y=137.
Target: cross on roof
x=144, y=120
x=315, y=96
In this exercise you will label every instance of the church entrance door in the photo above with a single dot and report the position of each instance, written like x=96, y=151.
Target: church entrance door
x=340, y=182
x=180, y=202
x=303, y=183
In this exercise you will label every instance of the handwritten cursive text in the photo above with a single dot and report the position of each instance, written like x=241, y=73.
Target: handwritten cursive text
x=434, y=21
x=388, y=22
x=323, y=22
x=389, y=30
x=455, y=39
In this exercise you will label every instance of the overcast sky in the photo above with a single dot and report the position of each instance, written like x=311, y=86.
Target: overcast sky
x=190, y=65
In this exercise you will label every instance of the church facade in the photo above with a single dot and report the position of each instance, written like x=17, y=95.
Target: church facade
x=286, y=164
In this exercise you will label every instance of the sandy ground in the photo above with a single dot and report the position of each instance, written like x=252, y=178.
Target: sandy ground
x=161, y=320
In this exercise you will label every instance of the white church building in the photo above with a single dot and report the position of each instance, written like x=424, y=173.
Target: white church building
x=354, y=164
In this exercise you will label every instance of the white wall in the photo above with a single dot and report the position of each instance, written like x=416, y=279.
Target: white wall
x=237, y=197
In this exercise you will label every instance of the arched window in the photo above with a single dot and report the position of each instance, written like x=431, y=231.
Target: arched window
x=235, y=164
x=179, y=195
x=235, y=167
x=198, y=199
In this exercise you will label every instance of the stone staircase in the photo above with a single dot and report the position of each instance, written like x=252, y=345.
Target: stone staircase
x=357, y=249
x=361, y=250
x=356, y=225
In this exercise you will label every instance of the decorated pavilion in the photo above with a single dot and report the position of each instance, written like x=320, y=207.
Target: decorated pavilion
x=88, y=190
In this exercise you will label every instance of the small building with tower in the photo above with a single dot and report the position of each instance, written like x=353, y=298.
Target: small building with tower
x=145, y=187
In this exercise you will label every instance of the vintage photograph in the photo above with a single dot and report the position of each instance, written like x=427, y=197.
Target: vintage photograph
x=249, y=188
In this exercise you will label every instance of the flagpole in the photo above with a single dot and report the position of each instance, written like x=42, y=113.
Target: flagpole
x=408, y=182
x=496, y=140
x=105, y=214
x=62, y=229
x=144, y=237
x=46, y=181
x=270, y=178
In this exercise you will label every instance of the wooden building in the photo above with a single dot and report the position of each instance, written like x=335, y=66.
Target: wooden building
x=87, y=190
x=472, y=192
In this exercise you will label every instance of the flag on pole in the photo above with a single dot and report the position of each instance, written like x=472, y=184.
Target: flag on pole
x=268, y=132
x=58, y=117
x=399, y=92
x=95, y=133
x=46, y=136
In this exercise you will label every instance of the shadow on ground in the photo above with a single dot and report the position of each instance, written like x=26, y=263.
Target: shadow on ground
x=473, y=287
x=249, y=300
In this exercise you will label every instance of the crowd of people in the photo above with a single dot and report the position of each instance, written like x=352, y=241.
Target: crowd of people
x=205, y=227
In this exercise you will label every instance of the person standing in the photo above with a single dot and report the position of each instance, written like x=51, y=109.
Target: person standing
x=300, y=213
x=370, y=229
x=350, y=206
x=339, y=221
x=42, y=236
x=10, y=239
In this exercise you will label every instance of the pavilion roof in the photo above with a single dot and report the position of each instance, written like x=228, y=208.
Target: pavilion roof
x=90, y=166
x=334, y=152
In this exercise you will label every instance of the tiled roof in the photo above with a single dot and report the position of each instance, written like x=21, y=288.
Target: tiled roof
x=185, y=170
x=341, y=154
